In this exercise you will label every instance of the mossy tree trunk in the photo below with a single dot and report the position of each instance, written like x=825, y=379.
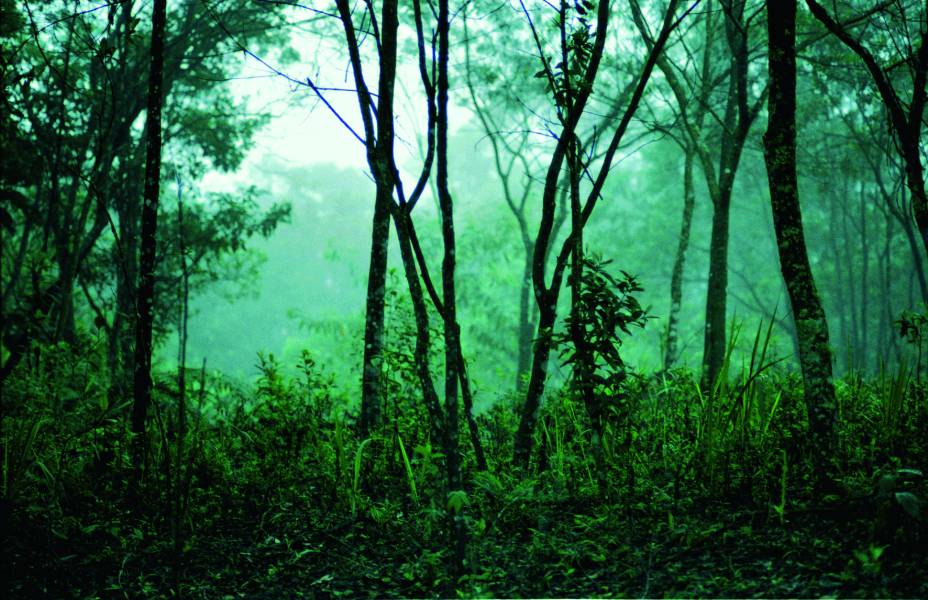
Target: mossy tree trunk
x=780, y=158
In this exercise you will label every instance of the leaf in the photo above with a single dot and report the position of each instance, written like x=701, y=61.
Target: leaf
x=910, y=472
x=457, y=499
x=909, y=503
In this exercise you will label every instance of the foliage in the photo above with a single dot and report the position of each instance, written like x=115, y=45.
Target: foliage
x=607, y=306
x=283, y=496
x=644, y=484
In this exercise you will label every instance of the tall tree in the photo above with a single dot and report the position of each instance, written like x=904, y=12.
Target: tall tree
x=378, y=140
x=452, y=333
x=146, y=284
x=583, y=77
x=780, y=158
x=379, y=143
x=695, y=94
x=671, y=337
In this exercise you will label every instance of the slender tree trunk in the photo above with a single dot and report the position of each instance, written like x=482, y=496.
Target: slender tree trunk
x=146, y=285
x=864, y=280
x=714, y=339
x=546, y=296
x=374, y=310
x=885, y=335
x=378, y=140
x=402, y=222
x=838, y=290
x=526, y=327
x=780, y=157
x=915, y=173
x=453, y=358
x=547, y=314
x=740, y=113
x=676, y=280
x=180, y=450
x=917, y=262
x=852, y=342
x=126, y=256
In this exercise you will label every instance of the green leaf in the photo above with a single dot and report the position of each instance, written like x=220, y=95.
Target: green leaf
x=457, y=499
x=909, y=503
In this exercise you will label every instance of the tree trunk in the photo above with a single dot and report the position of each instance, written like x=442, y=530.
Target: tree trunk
x=717, y=292
x=453, y=356
x=915, y=179
x=402, y=222
x=374, y=311
x=917, y=261
x=864, y=279
x=547, y=314
x=780, y=158
x=676, y=280
x=526, y=327
x=739, y=115
x=126, y=261
x=146, y=285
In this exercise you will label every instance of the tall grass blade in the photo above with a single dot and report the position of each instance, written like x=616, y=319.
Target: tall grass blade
x=410, y=477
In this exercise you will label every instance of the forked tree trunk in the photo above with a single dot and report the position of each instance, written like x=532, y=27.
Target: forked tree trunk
x=780, y=158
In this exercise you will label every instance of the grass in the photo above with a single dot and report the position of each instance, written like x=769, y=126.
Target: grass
x=711, y=497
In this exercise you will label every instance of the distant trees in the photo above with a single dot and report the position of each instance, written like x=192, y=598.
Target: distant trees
x=74, y=111
x=76, y=86
x=908, y=73
x=497, y=97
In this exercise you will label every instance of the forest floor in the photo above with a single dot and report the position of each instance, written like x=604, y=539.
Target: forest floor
x=272, y=495
x=295, y=549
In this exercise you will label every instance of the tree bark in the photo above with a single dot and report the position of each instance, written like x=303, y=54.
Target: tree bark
x=671, y=335
x=451, y=330
x=371, y=393
x=146, y=284
x=739, y=116
x=780, y=158
x=714, y=338
x=378, y=141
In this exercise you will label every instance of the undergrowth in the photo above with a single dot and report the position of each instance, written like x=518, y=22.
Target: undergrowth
x=708, y=492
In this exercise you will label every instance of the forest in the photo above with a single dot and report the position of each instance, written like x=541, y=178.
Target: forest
x=463, y=298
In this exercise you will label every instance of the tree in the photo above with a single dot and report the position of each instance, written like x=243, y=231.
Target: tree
x=738, y=114
x=74, y=110
x=573, y=80
x=780, y=158
x=378, y=140
x=146, y=281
